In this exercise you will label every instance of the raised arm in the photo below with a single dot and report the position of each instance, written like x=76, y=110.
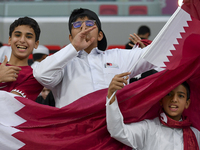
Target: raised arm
x=50, y=71
x=117, y=83
x=132, y=134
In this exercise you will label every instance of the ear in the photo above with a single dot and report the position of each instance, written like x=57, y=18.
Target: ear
x=9, y=40
x=36, y=44
x=70, y=38
x=100, y=36
x=187, y=104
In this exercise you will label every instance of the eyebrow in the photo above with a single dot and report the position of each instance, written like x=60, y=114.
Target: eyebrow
x=182, y=93
x=21, y=32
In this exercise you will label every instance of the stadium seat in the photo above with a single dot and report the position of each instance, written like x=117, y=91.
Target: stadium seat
x=138, y=10
x=108, y=10
x=116, y=46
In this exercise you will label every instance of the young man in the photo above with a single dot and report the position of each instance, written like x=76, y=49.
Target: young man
x=84, y=66
x=168, y=131
x=15, y=75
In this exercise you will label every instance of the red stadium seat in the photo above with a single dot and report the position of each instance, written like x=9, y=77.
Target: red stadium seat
x=138, y=10
x=108, y=10
x=116, y=46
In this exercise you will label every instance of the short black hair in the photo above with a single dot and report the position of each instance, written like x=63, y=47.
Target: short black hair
x=1, y=44
x=81, y=13
x=186, y=85
x=143, y=30
x=77, y=13
x=26, y=21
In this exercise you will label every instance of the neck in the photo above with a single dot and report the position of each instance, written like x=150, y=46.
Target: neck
x=18, y=62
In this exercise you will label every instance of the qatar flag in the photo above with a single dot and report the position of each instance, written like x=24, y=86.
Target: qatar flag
x=26, y=125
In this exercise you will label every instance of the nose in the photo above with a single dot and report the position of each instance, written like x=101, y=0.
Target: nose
x=22, y=39
x=174, y=98
x=83, y=24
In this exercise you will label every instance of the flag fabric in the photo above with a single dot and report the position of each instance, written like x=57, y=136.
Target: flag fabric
x=169, y=43
x=26, y=125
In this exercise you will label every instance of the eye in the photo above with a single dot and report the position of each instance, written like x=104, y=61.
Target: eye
x=29, y=36
x=182, y=96
x=169, y=94
x=17, y=35
x=77, y=24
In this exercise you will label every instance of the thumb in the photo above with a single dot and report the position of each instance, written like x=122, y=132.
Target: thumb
x=5, y=61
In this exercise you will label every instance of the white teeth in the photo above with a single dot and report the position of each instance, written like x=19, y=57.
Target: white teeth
x=22, y=47
x=173, y=106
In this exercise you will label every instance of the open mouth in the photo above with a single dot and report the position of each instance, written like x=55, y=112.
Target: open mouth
x=173, y=107
x=21, y=48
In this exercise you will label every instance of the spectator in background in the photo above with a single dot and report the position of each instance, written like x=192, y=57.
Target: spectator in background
x=39, y=54
x=46, y=96
x=144, y=32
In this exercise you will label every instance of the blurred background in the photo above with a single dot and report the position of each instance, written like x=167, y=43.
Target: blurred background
x=119, y=17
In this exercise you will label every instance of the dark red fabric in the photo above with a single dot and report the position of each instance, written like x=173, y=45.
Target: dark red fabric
x=146, y=41
x=189, y=138
x=192, y=7
x=83, y=123
x=25, y=83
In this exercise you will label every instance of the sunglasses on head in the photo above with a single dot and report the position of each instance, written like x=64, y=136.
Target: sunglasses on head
x=88, y=23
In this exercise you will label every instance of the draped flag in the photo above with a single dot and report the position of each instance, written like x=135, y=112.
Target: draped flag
x=26, y=125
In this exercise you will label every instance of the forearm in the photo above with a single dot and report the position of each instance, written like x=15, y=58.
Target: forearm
x=49, y=72
x=115, y=124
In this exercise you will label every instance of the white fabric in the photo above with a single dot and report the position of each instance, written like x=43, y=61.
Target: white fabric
x=41, y=49
x=71, y=74
x=167, y=38
x=5, y=51
x=144, y=135
x=8, y=108
x=35, y=63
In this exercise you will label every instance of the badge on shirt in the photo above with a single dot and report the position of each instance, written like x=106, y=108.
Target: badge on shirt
x=111, y=65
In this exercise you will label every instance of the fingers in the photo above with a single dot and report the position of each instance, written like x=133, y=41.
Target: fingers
x=134, y=38
x=119, y=81
x=5, y=61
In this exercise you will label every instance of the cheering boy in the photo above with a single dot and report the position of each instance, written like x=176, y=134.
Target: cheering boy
x=16, y=75
x=84, y=66
x=168, y=131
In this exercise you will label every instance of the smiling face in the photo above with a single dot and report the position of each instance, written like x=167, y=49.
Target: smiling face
x=22, y=42
x=94, y=33
x=175, y=102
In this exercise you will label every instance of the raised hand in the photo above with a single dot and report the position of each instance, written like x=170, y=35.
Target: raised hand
x=80, y=41
x=8, y=73
x=136, y=40
x=117, y=83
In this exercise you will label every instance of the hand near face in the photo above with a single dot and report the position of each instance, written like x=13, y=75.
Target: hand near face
x=117, y=83
x=136, y=40
x=8, y=73
x=81, y=40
